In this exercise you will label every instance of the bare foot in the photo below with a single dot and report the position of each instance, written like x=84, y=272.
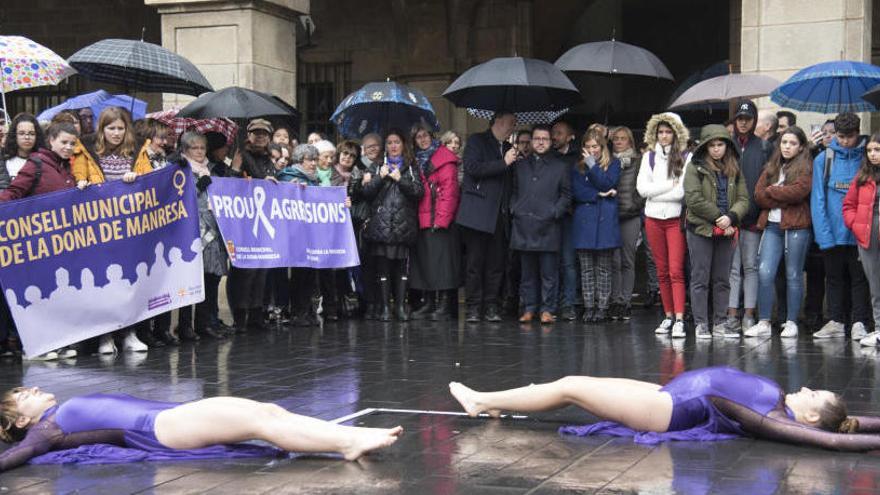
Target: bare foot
x=467, y=397
x=369, y=439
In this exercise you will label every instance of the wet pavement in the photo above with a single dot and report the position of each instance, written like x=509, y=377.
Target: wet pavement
x=388, y=374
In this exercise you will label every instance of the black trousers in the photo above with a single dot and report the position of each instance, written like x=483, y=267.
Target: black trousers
x=205, y=311
x=485, y=259
x=846, y=286
x=245, y=287
x=303, y=282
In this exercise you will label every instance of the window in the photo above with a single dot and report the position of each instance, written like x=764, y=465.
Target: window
x=321, y=87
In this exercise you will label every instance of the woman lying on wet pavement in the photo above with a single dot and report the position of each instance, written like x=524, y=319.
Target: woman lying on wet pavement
x=715, y=403
x=98, y=429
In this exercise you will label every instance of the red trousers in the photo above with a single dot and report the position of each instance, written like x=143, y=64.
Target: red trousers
x=668, y=248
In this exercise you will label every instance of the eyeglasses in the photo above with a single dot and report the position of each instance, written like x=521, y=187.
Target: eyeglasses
x=347, y=153
x=26, y=134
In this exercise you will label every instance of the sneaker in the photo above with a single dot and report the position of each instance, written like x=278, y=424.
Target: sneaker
x=830, y=330
x=731, y=328
x=568, y=314
x=870, y=340
x=67, y=353
x=789, y=330
x=678, y=330
x=718, y=329
x=107, y=345
x=132, y=343
x=748, y=322
x=625, y=313
x=665, y=326
x=702, y=332
x=762, y=329
x=492, y=314
x=49, y=356
x=858, y=332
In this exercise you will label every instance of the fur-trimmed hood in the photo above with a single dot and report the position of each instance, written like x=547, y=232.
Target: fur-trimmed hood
x=672, y=120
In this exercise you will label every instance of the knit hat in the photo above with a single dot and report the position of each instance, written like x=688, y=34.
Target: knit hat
x=259, y=124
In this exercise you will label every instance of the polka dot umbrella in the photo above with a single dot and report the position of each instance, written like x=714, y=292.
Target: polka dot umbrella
x=27, y=64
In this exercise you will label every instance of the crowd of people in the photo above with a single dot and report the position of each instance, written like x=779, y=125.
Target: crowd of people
x=544, y=223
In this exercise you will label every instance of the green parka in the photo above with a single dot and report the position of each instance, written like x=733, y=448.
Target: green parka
x=701, y=187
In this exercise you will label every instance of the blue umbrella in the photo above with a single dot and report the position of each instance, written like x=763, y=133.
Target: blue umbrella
x=829, y=87
x=380, y=106
x=97, y=101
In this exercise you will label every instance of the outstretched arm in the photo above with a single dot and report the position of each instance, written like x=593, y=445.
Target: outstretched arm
x=40, y=439
x=782, y=429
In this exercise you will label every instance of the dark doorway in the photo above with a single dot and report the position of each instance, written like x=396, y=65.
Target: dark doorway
x=689, y=36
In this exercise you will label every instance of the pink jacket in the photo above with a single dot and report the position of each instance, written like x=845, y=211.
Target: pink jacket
x=440, y=200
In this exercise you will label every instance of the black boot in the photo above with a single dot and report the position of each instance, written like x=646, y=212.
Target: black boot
x=443, y=310
x=427, y=309
x=187, y=334
x=383, y=313
x=401, y=310
x=255, y=320
x=145, y=335
x=166, y=336
x=239, y=318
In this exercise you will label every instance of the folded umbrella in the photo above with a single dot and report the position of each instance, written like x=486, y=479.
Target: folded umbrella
x=829, y=87
x=513, y=84
x=380, y=106
x=140, y=66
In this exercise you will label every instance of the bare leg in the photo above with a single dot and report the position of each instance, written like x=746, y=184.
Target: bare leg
x=638, y=405
x=227, y=420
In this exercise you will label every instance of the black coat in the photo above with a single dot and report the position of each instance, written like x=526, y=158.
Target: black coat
x=485, y=190
x=360, y=206
x=394, y=207
x=629, y=202
x=541, y=197
x=753, y=157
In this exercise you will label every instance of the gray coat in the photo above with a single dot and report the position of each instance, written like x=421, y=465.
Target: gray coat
x=541, y=197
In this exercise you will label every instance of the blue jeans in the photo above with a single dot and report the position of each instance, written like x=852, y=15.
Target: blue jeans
x=539, y=286
x=568, y=272
x=794, y=244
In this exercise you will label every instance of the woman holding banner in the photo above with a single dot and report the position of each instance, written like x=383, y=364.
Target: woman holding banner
x=46, y=170
x=394, y=224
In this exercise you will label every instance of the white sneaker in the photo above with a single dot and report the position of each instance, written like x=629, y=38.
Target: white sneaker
x=702, y=332
x=67, y=353
x=678, y=330
x=870, y=340
x=664, y=327
x=107, y=345
x=762, y=329
x=858, y=332
x=789, y=330
x=830, y=330
x=132, y=343
x=748, y=322
x=49, y=356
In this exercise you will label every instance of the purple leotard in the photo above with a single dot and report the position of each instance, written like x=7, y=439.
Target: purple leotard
x=695, y=415
x=102, y=429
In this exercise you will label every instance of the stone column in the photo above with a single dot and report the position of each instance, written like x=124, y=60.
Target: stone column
x=780, y=37
x=248, y=43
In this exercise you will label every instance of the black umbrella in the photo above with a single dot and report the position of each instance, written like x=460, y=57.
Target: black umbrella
x=872, y=96
x=140, y=66
x=612, y=58
x=513, y=84
x=237, y=103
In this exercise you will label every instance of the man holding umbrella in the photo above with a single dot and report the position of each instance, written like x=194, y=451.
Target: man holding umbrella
x=484, y=215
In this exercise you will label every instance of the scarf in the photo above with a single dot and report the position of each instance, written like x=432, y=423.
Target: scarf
x=625, y=157
x=324, y=175
x=199, y=169
x=394, y=162
x=423, y=157
x=311, y=176
x=345, y=174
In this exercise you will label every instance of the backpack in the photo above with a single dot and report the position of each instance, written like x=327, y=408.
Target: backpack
x=38, y=173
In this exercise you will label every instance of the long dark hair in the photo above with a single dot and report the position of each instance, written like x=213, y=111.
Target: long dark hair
x=728, y=164
x=675, y=160
x=867, y=171
x=796, y=166
x=407, y=152
x=10, y=149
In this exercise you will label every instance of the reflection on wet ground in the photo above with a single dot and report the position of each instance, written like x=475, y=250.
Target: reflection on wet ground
x=348, y=367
